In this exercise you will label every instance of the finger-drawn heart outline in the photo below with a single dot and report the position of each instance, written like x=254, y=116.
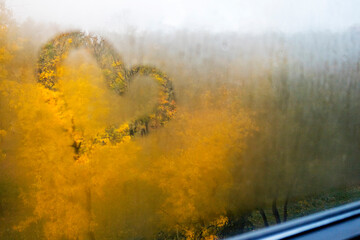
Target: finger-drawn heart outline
x=55, y=51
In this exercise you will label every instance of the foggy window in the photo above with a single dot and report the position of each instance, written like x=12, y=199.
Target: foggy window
x=175, y=119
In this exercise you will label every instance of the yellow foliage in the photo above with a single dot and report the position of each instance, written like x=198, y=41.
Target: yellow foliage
x=2, y=133
x=76, y=180
x=191, y=162
x=221, y=221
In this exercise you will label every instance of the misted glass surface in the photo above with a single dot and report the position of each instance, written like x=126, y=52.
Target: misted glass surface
x=133, y=128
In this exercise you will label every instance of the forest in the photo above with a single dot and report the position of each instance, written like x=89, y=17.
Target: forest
x=180, y=135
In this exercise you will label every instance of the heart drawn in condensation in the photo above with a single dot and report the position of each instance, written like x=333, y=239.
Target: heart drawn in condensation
x=55, y=51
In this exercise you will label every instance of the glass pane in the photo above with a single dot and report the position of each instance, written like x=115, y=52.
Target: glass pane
x=175, y=119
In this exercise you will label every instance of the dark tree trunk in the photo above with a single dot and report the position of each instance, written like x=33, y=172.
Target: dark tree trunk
x=90, y=233
x=263, y=215
x=276, y=212
x=286, y=208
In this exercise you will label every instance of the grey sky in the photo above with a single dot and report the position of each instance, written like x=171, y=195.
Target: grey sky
x=214, y=15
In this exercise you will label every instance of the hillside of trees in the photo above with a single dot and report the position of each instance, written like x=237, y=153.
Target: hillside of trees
x=179, y=135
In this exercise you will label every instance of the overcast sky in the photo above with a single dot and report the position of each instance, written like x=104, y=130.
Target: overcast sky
x=213, y=15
